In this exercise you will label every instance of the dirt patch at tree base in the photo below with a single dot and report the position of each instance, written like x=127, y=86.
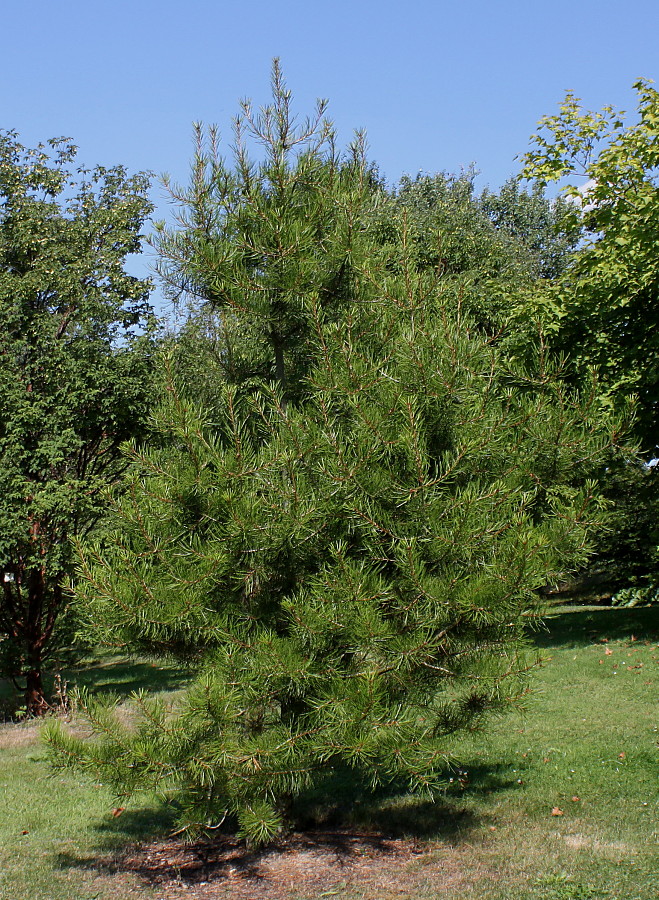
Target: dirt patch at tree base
x=300, y=866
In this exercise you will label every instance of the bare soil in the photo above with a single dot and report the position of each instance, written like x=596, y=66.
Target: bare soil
x=309, y=865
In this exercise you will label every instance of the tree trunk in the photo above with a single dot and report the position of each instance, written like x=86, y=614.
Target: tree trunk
x=35, y=699
x=44, y=601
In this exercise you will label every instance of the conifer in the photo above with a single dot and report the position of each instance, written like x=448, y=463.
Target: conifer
x=345, y=545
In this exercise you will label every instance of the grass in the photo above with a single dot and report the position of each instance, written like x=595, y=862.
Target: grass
x=557, y=803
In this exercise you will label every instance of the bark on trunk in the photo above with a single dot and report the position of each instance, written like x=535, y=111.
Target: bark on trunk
x=35, y=699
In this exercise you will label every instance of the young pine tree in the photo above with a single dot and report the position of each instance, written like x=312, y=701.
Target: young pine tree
x=346, y=543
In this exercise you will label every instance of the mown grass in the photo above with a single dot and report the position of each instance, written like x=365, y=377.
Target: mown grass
x=54, y=826
x=586, y=746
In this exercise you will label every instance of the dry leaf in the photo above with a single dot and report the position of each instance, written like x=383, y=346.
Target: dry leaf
x=117, y=811
x=576, y=799
x=557, y=812
x=621, y=756
x=608, y=651
x=546, y=759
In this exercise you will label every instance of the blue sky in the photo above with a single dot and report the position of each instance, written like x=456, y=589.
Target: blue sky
x=436, y=85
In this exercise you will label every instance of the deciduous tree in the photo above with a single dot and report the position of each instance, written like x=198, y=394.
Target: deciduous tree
x=73, y=379
x=606, y=300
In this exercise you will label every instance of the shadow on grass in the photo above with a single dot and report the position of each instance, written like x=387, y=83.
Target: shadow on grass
x=135, y=826
x=307, y=859
x=130, y=829
x=582, y=626
x=125, y=676
x=339, y=821
x=121, y=676
x=343, y=801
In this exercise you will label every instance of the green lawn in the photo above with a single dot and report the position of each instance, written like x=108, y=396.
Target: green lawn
x=585, y=746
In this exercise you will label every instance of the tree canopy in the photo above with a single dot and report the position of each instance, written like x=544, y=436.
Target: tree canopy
x=606, y=298
x=345, y=546
x=73, y=378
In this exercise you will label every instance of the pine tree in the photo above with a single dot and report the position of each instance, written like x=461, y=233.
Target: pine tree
x=347, y=544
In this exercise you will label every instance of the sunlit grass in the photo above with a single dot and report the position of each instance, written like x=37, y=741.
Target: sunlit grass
x=559, y=802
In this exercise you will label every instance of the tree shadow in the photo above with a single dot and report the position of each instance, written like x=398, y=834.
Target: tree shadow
x=125, y=676
x=308, y=857
x=315, y=854
x=341, y=821
x=121, y=676
x=344, y=801
x=582, y=626
x=133, y=826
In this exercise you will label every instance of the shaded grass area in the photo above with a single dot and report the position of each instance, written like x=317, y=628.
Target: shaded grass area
x=101, y=673
x=559, y=801
x=53, y=825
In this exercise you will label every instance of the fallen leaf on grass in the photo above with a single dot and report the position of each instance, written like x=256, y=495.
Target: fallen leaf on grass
x=25, y=831
x=557, y=812
x=576, y=799
x=608, y=651
x=621, y=755
x=117, y=811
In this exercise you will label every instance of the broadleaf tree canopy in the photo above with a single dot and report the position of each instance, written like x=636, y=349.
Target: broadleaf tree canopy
x=74, y=378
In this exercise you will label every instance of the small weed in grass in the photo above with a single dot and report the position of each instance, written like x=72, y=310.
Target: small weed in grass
x=562, y=887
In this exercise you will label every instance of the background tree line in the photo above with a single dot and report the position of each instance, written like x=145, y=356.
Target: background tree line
x=391, y=418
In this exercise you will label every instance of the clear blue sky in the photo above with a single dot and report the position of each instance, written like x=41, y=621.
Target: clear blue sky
x=436, y=85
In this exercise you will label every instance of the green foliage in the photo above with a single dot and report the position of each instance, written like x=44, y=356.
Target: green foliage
x=627, y=548
x=258, y=239
x=602, y=309
x=606, y=299
x=550, y=230
x=495, y=253
x=346, y=543
x=646, y=595
x=73, y=377
x=448, y=231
